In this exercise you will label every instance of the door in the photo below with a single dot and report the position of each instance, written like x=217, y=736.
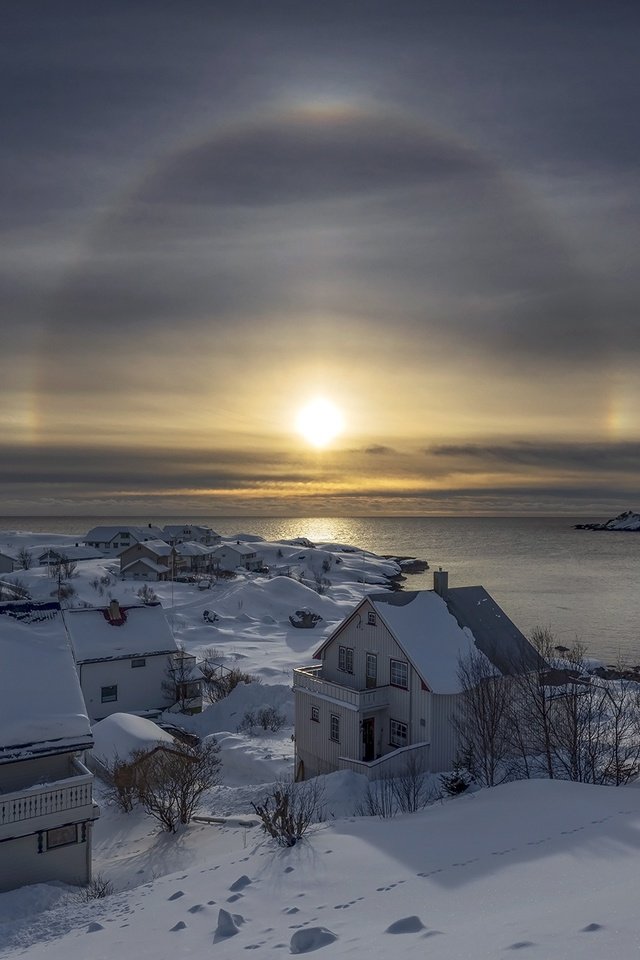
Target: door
x=368, y=739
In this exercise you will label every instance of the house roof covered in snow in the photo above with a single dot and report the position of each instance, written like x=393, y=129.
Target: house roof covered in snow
x=71, y=552
x=242, y=548
x=105, y=534
x=42, y=710
x=177, y=529
x=160, y=547
x=122, y=734
x=147, y=563
x=114, y=633
x=437, y=632
x=192, y=549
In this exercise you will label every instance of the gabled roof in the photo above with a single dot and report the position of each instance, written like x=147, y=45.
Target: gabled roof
x=192, y=549
x=42, y=710
x=141, y=631
x=176, y=528
x=437, y=632
x=72, y=552
x=106, y=533
x=11, y=554
x=242, y=548
x=149, y=564
x=160, y=547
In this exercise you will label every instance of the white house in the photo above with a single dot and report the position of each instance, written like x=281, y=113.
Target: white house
x=182, y=533
x=111, y=540
x=8, y=561
x=46, y=792
x=74, y=552
x=233, y=555
x=387, y=685
x=124, y=657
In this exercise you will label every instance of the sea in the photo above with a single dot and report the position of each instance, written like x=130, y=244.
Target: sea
x=582, y=585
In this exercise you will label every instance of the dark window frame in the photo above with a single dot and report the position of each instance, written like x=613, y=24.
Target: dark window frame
x=107, y=697
x=139, y=662
x=399, y=741
x=345, y=659
x=315, y=713
x=334, y=724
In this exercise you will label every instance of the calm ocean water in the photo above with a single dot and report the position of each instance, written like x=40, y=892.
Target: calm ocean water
x=580, y=584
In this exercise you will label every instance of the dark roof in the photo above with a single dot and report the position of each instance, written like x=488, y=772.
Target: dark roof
x=494, y=633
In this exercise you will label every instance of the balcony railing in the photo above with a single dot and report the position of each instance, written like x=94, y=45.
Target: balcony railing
x=309, y=679
x=47, y=800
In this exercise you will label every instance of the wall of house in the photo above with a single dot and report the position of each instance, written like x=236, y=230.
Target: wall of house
x=139, y=688
x=6, y=564
x=314, y=745
x=21, y=861
x=444, y=739
x=26, y=773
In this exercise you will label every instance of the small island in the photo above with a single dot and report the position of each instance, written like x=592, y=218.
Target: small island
x=627, y=521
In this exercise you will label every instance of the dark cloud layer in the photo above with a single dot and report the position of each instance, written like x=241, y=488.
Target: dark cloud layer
x=299, y=180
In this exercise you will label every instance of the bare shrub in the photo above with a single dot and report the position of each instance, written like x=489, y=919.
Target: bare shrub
x=289, y=810
x=268, y=718
x=170, y=782
x=218, y=680
x=379, y=800
x=97, y=889
x=409, y=791
x=121, y=786
x=147, y=594
x=482, y=719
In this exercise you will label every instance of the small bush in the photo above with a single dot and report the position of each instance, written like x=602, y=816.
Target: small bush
x=268, y=718
x=98, y=889
x=288, y=812
x=457, y=781
x=147, y=594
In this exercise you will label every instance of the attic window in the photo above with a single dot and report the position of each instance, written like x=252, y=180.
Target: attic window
x=371, y=618
x=139, y=662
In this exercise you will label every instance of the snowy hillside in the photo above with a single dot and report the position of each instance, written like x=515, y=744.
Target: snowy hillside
x=544, y=867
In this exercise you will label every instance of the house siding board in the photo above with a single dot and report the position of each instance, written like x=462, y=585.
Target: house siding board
x=22, y=863
x=138, y=690
x=444, y=741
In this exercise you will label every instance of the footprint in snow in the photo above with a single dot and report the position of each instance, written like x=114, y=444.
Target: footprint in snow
x=240, y=883
x=520, y=945
x=406, y=925
x=94, y=927
x=180, y=925
x=234, y=897
x=592, y=927
x=176, y=895
x=197, y=908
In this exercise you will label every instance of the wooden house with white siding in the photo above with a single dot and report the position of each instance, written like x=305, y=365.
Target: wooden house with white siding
x=387, y=684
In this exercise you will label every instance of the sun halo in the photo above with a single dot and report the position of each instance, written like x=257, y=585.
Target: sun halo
x=319, y=422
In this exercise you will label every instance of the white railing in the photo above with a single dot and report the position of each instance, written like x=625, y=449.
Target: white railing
x=390, y=764
x=308, y=678
x=47, y=799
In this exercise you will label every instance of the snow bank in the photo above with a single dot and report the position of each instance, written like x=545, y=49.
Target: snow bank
x=122, y=734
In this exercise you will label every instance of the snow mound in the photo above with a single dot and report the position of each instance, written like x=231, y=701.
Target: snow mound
x=122, y=734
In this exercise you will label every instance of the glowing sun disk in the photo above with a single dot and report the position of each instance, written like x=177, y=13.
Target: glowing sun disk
x=319, y=422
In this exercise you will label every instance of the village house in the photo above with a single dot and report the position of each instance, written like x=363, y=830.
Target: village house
x=176, y=533
x=149, y=560
x=197, y=558
x=46, y=792
x=387, y=684
x=111, y=540
x=9, y=561
x=233, y=555
x=58, y=553
x=124, y=657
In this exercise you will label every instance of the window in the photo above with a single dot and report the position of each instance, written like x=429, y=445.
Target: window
x=371, y=618
x=372, y=670
x=345, y=659
x=139, y=662
x=334, y=733
x=109, y=694
x=398, y=734
x=399, y=674
x=315, y=714
x=62, y=836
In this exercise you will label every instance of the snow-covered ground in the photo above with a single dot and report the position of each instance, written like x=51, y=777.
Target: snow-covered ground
x=548, y=868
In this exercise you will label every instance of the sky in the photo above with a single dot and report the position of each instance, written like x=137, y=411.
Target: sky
x=425, y=213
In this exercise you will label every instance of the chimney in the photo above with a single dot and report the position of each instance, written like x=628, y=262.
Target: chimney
x=440, y=581
x=114, y=611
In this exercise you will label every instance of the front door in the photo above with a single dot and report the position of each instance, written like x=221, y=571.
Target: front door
x=368, y=739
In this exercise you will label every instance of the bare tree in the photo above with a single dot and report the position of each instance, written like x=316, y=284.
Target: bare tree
x=482, y=718
x=170, y=782
x=25, y=559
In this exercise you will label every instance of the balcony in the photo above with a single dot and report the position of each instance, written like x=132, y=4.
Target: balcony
x=48, y=805
x=309, y=680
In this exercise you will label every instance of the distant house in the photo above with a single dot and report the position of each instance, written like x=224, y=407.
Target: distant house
x=177, y=533
x=150, y=559
x=8, y=561
x=112, y=540
x=46, y=792
x=72, y=553
x=234, y=555
x=197, y=558
x=387, y=685
x=124, y=657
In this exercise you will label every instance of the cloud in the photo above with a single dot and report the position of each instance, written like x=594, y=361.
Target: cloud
x=378, y=449
x=591, y=457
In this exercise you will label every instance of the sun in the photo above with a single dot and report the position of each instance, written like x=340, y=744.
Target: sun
x=319, y=422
